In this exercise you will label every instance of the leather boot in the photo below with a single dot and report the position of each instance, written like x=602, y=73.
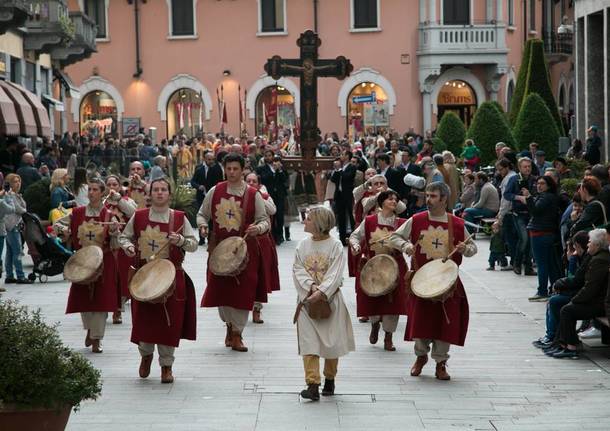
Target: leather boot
x=96, y=346
x=312, y=392
x=228, y=336
x=236, y=342
x=256, y=317
x=166, y=375
x=329, y=387
x=374, y=337
x=441, y=371
x=145, y=364
x=419, y=365
x=88, y=340
x=117, y=319
x=387, y=342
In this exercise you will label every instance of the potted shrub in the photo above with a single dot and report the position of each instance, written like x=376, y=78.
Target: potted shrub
x=41, y=380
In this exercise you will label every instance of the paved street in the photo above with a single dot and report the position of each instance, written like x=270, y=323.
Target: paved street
x=499, y=381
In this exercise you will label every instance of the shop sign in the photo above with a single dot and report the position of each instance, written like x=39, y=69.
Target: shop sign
x=369, y=98
x=377, y=115
x=131, y=126
x=2, y=67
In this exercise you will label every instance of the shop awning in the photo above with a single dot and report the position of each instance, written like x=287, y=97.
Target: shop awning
x=32, y=115
x=57, y=104
x=9, y=122
x=66, y=81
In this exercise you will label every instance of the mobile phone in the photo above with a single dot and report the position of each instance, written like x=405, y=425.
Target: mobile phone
x=7, y=187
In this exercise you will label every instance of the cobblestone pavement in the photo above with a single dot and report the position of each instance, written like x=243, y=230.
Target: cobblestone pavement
x=499, y=381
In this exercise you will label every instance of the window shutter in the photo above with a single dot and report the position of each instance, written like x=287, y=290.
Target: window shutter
x=365, y=13
x=182, y=18
x=456, y=12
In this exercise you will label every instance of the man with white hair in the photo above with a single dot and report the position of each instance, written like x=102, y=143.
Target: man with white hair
x=28, y=173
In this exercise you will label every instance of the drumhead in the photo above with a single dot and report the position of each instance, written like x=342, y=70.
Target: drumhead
x=379, y=275
x=83, y=264
x=228, y=256
x=152, y=280
x=434, y=279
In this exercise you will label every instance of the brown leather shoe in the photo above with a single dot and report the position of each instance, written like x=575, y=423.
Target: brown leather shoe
x=166, y=375
x=117, y=319
x=256, y=317
x=88, y=340
x=419, y=365
x=374, y=337
x=145, y=365
x=441, y=371
x=236, y=342
x=96, y=346
x=387, y=342
x=228, y=336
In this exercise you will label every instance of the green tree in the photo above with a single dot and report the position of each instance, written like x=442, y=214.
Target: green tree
x=489, y=127
x=535, y=124
x=438, y=145
x=539, y=81
x=452, y=132
x=519, y=93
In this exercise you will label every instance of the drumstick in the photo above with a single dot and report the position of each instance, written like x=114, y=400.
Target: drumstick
x=154, y=256
x=455, y=249
x=109, y=222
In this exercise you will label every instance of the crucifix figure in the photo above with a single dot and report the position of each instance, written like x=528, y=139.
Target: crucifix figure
x=309, y=67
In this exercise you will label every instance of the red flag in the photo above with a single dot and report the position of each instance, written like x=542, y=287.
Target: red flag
x=224, y=107
x=241, y=112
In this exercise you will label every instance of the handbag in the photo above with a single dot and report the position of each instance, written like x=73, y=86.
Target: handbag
x=58, y=213
x=318, y=310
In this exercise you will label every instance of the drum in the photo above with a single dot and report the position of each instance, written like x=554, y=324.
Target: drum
x=85, y=266
x=435, y=280
x=379, y=275
x=230, y=257
x=154, y=282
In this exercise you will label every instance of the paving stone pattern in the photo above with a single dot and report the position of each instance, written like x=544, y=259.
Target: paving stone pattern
x=499, y=381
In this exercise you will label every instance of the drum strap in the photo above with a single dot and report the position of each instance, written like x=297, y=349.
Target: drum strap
x=450, y=248
x=244, y=207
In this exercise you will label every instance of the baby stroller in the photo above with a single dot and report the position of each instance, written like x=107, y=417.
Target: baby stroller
x=48, y=257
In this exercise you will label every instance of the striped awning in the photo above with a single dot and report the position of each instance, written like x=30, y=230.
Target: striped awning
x=32, y=117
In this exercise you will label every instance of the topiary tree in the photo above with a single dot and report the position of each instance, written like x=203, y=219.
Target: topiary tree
x=498, y=106
x=538, y=81
x=438, y=145
x=535, y=124
x=518, y=94
x=489, y=127
x=452, y=132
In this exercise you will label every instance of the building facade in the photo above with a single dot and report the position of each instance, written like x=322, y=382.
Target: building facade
x=165, y=64
x=592, y=26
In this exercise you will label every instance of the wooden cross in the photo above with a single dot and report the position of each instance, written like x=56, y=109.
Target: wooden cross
x=308, y=68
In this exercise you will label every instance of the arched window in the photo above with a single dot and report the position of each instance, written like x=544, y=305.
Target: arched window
x=275, y=111
x=459, y=97
x=98, y=115
x=184, y=113
x=368, y=110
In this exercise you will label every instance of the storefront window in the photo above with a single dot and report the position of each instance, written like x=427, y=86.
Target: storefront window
x=457, y=96
x=368, y=110
x=184, y=114
x=275, y=111
x=98, y=115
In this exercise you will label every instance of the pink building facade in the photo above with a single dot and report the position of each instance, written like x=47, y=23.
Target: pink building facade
x=413, y=60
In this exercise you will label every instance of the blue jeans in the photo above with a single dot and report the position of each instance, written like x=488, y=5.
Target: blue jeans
x=553, y=308
x=544, y=250
x=523, y=254
x=13, y=254
x=472, y=214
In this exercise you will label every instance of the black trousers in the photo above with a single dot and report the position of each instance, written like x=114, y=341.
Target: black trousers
x=344, y=214
x=570, y=314
x=278, y=219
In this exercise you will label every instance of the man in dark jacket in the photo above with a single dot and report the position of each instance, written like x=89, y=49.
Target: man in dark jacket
x=275, y=179
x=199, y=181
x=392, y=175
x=594, y=214
x=593, y=146
x=343, y=177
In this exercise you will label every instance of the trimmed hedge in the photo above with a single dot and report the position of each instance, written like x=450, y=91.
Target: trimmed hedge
x=452, y=132
x=439, y=145
x=489, y=127
x=538, y=81
x=519, y=93
x=535, y=124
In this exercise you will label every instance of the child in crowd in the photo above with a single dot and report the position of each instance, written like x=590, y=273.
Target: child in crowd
x=51, y=234
x=471, y=155
x=497, y=251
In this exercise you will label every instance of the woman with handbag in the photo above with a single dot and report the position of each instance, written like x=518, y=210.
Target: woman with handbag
x=12, y=223
x=324, y=328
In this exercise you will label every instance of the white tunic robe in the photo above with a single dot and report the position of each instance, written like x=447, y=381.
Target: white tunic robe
x=322, y=263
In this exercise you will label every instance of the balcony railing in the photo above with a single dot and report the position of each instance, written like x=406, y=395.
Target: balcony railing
x=49, y=26
x=84, y=41
x=466, y=39
x=558, y=43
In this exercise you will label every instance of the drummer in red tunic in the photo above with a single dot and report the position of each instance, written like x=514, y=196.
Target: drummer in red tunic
x=122, y=207
x=235, y=209
x=268, y=276
x=163, y=324
x=372, y=237
x=95, y=301
x=426, y=236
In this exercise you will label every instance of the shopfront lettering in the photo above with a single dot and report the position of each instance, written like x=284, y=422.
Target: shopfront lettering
x=451, y=99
